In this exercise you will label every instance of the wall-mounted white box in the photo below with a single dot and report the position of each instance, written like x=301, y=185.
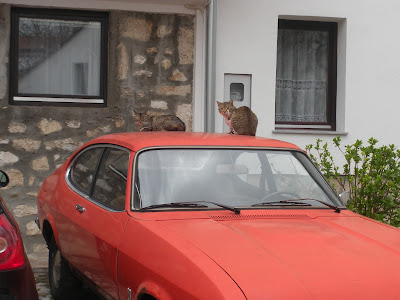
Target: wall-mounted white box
x=237, y=87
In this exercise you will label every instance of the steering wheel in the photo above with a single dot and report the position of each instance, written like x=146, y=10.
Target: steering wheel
x=281, y=193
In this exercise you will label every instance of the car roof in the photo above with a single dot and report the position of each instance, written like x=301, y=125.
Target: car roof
x=140, y=140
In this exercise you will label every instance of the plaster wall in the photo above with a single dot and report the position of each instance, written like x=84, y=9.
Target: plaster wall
x=368, y=101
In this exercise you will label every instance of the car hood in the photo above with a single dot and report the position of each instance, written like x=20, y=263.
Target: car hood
x=318, y=255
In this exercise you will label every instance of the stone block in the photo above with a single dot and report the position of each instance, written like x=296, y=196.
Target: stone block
x=41, y=164
x=32, y=229
x=139, y=59
x=163, y=31
x=92, y=133
x=159, y=104
x=152, y=50
x=166, y=63
x=123, y=64
x=106, y=128
x=177, y=76
x=75, y=124
x=31, y=180
x=15, y=127
x=24, y=210
x=16, y=178
x=7, y=158
x=181, y=90
x=66, y=144
x=143, y=72
x=186, y=46
x=48, y=126
x=140, y=94
x=119, y=122
x=26, y=144
x=126, y=93
x=135, y=28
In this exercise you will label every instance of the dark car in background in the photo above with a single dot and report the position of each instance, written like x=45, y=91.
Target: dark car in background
x=16, y=277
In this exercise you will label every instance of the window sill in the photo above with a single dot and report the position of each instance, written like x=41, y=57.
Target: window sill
x=314, y=132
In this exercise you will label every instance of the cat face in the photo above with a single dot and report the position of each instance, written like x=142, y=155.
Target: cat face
x=143, y=121
x=226, y=108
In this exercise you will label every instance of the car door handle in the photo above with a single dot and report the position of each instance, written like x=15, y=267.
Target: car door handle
x=80, y=208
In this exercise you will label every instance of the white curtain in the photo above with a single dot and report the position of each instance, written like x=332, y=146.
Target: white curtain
x=301, y=76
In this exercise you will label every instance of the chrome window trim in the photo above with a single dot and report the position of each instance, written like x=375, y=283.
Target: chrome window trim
x=132, y=202
x=79, y=192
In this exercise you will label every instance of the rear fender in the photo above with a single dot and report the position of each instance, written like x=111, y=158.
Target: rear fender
x=50, y=220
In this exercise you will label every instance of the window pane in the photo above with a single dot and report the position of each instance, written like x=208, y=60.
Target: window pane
x=82, y=172
x=59, y=57
x=111, y=179
x=235, y=177
x=302, y=76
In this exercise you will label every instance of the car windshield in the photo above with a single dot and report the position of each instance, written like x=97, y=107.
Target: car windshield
x=232, y=177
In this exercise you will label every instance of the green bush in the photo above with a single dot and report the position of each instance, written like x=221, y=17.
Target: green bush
x=370, y=173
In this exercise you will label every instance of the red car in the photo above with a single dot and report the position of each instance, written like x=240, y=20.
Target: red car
x=17, y=281
x=175, y=215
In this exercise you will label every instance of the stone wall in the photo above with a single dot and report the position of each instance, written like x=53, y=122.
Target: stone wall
x=150, y=68
x=151, y=55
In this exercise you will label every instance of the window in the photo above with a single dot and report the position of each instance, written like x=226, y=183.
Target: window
x=306, y=75
x=100, y=174
x=110, y=185
x=84, y=168
x=59, y=56
x=235, y=177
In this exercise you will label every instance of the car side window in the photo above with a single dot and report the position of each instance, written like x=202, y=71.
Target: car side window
x=83, y=169
x=110, y=185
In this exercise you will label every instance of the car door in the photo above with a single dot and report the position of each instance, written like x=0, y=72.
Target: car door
x=99, y=218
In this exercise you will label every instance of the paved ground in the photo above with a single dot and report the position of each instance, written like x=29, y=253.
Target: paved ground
x=42, y=283
x=39, y=266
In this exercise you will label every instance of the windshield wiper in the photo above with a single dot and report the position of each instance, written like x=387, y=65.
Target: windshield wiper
x=335, y=208
x=172, y=204
x=296, y=202
x=234, y=209
x=279, y=203
x=190, y=204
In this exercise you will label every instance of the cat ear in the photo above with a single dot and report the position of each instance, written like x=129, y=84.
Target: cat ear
x=219, y=103
x=231, y=102
x=134, y=112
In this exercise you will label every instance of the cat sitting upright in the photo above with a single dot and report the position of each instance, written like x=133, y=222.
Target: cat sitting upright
x=146, y=122
x=240, y=120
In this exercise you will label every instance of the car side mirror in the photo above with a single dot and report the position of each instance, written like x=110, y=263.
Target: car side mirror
x=4, y=180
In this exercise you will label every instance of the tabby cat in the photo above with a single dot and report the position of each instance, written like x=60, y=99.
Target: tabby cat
x=145, y=122
x=240, y=120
